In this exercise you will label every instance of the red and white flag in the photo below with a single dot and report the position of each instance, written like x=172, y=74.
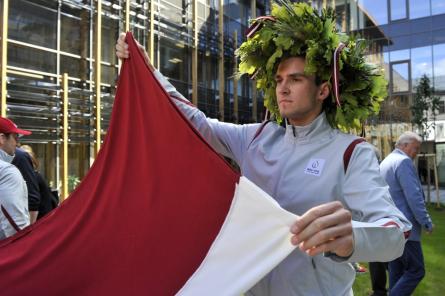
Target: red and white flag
x=159, y=213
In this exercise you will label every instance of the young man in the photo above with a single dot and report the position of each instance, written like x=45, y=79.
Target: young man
x=14, y=213
x=406, y=272
x=301, y=166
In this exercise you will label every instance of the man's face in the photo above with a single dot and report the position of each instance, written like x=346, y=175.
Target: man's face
x=299, y=99
x=8, y=143
x=411, y=149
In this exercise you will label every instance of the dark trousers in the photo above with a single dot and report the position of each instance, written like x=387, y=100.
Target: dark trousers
x=406, y=272
x=378, y=278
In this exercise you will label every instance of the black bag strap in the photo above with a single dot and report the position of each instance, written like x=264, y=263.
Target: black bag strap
x=10, y=220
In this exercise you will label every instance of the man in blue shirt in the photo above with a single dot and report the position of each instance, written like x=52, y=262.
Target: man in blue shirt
x=406, y=272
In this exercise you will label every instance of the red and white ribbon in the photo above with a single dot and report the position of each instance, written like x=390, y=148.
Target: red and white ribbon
x=258, y=24
x=336, y=72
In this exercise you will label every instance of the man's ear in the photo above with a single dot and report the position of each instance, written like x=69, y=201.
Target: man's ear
x=323, y=91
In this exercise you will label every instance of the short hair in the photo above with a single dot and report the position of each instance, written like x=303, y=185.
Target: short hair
x=407, y=138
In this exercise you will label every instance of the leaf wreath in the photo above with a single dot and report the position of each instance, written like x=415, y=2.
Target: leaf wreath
x=297, y=29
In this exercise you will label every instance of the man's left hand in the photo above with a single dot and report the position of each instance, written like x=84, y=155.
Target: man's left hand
x=324, y=228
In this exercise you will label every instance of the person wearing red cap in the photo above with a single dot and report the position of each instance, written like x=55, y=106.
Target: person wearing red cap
x=14, y=214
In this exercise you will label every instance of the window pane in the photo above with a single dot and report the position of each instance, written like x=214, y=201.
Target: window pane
x=74, y=33
x=376, y=11
x=399, y=55
x=419, y=8
x=110, y=32
x=31, y=58
x=32, y=23
x=437, y=6
x=400, y=77
x=398, y=9
x=421, y=63
x=439, y=67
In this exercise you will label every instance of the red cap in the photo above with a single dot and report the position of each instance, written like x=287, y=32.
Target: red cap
x=8, y=127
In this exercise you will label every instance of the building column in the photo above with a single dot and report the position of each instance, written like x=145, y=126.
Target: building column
x=151, y=34
x=4, y=57
x=221, y=59
x=195, y=54
x=235, y=79
x=97, y=77
x=64, y=152
x=253, y=82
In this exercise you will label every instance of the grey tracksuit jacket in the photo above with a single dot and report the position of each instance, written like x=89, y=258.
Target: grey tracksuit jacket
x=302, y=167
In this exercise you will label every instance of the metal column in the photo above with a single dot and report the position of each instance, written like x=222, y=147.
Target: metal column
x=151, y=37
x=235, y=79
x=221, y=59
x=64, y=165
x=253, y=83
x=97, y=75
x=4, y=59
x=195, y=54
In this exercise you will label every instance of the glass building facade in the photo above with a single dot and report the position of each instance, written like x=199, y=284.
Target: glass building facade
x=407, y=38
x=192, y=42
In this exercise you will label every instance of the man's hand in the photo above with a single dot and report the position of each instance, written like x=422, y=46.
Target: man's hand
x=429, y=231
x=122, y=51
x=325, y=228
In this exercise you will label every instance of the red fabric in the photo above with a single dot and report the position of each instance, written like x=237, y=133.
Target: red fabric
x=143, y=218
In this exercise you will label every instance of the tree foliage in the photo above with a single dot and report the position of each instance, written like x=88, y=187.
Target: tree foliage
x=297, y=29
x=425, y=106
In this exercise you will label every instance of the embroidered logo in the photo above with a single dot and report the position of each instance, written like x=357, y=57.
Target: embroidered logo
x=314, y=167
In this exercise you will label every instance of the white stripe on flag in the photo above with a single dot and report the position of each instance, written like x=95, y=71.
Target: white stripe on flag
x=254, y=238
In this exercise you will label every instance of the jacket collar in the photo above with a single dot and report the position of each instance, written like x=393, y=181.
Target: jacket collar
x=5, y=156
x=317, y=129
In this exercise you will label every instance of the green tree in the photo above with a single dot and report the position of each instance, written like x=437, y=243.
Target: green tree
x=425, y=106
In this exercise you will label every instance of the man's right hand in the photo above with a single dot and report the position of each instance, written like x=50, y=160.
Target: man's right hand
x=122, y=51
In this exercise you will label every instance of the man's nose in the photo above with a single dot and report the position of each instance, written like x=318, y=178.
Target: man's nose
x=283, y=88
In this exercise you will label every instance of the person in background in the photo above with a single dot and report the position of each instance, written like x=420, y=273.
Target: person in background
x=398, y=169
x=14, y=214
x=48, y=201
x=23, y=162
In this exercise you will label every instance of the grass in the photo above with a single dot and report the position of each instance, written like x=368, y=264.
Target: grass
x=434, y=252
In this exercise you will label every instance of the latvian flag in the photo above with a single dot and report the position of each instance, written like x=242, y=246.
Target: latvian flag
x=159, y=213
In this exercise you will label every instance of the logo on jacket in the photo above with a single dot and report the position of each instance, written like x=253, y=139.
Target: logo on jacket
x=314, y=167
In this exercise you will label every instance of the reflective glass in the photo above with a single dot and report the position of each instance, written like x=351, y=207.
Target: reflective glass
x=72, y=66
x=419, y=8
x=399, y=55
x=375, y=10
x=108, y=74
x=74, y=31
x=110, y=32
x=420, y=40
x=439, y=36
x=437, y=6
x=421, y=64
x=31, y=58
x=439, y=66
x=32, y=23
x=400, y=43
x=440, y=152
x=400, y=77
x=398, y=9
x=438, y=22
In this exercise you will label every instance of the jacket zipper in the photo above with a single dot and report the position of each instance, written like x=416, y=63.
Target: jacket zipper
x=317, y=277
